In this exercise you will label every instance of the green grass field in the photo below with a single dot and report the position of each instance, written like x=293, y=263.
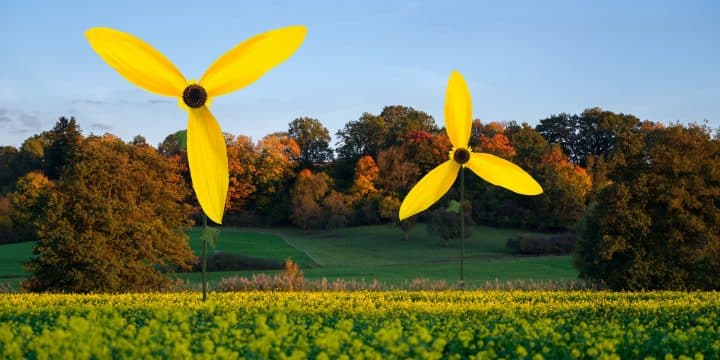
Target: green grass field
x=370, y=252
x=251, y=243
x=11, y=258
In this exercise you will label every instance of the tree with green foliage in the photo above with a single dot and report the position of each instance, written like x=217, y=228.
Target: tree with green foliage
x=64, y=139
x=372, y=133
x=445, y=222
x=528, y=143
x=402, y=120
x=8, y=168
x=389, y=209
x=7, y=211
x=365, y=136
x=112, y=222
x=174, y=148
x=563, y=129
x=520, y=144
x=313, y=139
x=139, y=140
x=366, y=210
x=172, y=144
x=656, y=224
x=566, y=185
x=6, y=230
x=592, y=133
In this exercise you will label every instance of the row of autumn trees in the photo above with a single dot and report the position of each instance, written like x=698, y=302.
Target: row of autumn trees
x=379, y=158
x=608, y=175
x=295, y=177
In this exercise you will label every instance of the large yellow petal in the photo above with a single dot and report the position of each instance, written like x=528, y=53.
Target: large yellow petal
x=208, y=160
x=429, y=189
x=501, y=172
x=137, y=61
x=249, y=60
x=458, y=111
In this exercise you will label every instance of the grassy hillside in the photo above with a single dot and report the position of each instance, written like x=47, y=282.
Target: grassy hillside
x=385, y=245
x=11, y=258
x=380, y=252
x=369, y=252
x=250, y=243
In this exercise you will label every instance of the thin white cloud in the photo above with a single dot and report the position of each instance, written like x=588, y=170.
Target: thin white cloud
x=89, y=101
x=29, y=121
x=101, y=127
x=160, y=101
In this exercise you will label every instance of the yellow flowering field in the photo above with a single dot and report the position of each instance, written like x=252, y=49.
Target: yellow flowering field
x=363, y=325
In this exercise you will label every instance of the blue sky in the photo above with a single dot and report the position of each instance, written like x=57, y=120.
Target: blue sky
x=523, y=61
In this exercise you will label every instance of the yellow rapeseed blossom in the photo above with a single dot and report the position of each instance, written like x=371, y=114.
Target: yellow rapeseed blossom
x=362, y=324
x=141, y=64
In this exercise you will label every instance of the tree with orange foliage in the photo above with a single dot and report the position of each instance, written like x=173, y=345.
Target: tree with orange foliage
x=242, y=160
x=29, y=199
x=488, y=129
x=335, y=210
x=277, y=158
x=497, y=144
x=396, y=174
x=396, y=177
x=426, y=150
x=363, y=195
x=307, y=192
x=366, y=174
x=566, y=187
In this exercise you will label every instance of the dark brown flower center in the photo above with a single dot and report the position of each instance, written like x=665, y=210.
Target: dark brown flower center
x=194, y=96
x=461, y=156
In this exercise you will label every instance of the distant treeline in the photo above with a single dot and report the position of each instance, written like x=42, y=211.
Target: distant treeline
x=295, y=177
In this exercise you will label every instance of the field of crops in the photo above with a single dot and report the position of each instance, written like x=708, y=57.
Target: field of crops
x=371, y=325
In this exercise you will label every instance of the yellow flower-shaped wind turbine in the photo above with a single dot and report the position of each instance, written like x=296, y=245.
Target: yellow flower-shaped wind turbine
x=141, y=64
x=495, y=170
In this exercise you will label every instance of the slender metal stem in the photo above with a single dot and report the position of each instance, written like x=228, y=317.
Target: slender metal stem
x=204, y=256
x=462, y=227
